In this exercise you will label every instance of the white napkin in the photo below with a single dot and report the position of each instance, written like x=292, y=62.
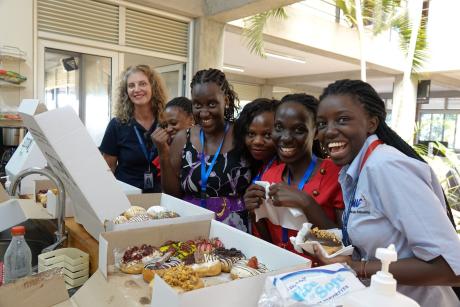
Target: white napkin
x=299, y=242
x=291, y=218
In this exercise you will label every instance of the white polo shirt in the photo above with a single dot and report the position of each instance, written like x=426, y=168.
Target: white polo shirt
x=399, y=201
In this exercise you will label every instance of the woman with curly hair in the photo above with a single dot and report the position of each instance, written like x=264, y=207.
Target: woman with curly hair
x=126, y=145
x=201, y=165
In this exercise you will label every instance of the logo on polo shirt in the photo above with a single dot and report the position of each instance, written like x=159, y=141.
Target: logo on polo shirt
x=360, y=203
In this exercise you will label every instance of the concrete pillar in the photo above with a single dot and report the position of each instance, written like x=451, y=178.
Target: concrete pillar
x=266, y=91
x=404, y=107
x=208, y=51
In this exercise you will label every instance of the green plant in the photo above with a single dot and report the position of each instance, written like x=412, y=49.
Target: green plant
x=382, y=15
x=445, y=165
x=253, y=30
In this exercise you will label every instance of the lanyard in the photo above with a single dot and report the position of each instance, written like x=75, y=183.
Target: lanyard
x=147, y=155
x=260, y=174
x=352, y=202
x=206, y=172
x=306, y=176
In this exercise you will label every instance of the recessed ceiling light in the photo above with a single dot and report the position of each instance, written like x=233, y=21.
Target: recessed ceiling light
x=291, y=58
x=233, y=68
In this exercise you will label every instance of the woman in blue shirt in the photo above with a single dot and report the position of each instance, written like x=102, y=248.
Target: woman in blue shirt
x=126, y=145
x=391, y=197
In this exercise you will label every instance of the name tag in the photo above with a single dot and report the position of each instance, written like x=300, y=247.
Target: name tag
x=148, y=180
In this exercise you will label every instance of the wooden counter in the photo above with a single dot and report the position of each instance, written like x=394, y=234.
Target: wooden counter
x=10, y=123
x=79, y=238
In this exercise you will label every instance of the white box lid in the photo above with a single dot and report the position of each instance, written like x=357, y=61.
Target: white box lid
x=75, y=159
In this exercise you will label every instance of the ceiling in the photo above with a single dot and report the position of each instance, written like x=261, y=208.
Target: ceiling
x=318, y=71
x=238, y=54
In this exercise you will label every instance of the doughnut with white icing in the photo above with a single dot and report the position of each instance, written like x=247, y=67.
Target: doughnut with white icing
x=247, y=268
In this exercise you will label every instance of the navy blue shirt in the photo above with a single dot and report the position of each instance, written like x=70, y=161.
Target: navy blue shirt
x=120, y=140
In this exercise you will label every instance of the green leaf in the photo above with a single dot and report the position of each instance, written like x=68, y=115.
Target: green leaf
x=382, y=15
x=253, y=31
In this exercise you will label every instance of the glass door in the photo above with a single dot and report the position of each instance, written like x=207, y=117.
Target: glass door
x=82, y=81
x=174, y=77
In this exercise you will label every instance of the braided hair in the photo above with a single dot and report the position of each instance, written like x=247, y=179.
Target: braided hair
x=244, y=120
x=311, y=104
x=218, y=77
x=181, y=102
x=374, y=106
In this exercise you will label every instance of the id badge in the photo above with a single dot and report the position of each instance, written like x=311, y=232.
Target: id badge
x=148, y=180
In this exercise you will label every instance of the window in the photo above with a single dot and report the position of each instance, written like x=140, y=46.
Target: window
x=440, y=127
x=82, y=81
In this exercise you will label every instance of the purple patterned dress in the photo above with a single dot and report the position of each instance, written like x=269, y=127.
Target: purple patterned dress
x=227, y=183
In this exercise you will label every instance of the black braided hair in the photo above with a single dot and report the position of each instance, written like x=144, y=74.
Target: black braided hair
x=311, y=104
x=242, y=123
x=181, y=102
x=374, y=106
x=218, y=77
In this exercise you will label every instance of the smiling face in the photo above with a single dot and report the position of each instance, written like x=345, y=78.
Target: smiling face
x=208, y=104
x=176, y=119
x=258, y=138
x=293, y=132
x=139, y=89
x=343, y=126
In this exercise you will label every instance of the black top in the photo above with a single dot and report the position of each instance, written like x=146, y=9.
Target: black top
x=230, y=176
x=120, y=140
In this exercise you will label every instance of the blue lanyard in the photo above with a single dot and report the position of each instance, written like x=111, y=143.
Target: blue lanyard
x=260, y=174
x=346, y=215
x=352, y=202
x=206, y=172
x=147, y=155
x=306, y=176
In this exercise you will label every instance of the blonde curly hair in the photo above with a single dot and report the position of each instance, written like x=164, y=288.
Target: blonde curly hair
x=124, y=107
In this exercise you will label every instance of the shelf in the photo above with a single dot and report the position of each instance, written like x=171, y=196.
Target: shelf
x=11, y=85
x=11, y=54
x=11, y=58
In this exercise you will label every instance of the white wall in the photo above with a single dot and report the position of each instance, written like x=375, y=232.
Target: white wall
x=310, y=31
x=443, y=37
x=16, y=29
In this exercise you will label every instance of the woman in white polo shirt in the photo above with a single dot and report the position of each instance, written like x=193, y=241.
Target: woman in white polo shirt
x=391, y=196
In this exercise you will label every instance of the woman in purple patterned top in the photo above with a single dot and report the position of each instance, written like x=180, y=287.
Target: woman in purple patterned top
x=220, y=184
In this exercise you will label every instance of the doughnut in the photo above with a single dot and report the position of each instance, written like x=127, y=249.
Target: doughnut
x=228, y=257
x=132, y=260
x=331, y=249
x=120, y=220
x=133, y=211
x=325, y=235
x=247, y=268
x=156, y=265
x=140, y=218
x=208, y=245
x=181, y=278
x=209, y=267
x=181, y=249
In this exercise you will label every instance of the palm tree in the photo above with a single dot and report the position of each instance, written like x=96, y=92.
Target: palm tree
x=382, y=15
x=253, y=30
